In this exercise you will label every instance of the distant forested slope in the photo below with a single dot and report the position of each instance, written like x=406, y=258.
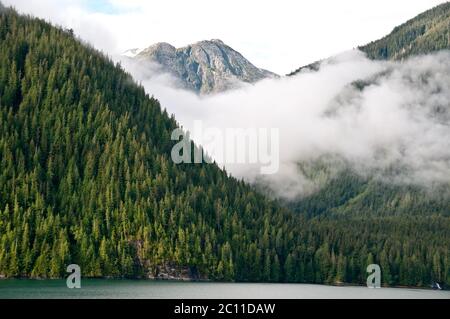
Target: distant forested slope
x=426, y=33
x=349, y=194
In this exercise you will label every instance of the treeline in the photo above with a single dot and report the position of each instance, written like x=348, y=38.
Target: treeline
x=86, y=178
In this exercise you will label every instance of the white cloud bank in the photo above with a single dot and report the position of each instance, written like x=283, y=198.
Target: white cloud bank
x=399, y=122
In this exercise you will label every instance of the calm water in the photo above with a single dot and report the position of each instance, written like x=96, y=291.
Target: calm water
x=188, y=290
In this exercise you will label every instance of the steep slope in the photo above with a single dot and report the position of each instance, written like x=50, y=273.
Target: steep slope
x=86, y=178
x=86, y=175
x=204, y=67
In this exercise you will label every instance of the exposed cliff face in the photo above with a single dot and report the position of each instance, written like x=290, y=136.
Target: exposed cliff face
x=205, y=66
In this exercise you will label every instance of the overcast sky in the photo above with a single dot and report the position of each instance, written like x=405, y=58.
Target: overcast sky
x=276, y=35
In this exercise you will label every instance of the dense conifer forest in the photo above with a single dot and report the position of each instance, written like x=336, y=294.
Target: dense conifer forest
x=86, y=178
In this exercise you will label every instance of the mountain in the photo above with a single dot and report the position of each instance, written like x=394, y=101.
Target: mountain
x=204, y=67
x=86, y=178
x=426, y=33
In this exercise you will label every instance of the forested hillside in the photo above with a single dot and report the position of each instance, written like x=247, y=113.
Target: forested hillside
x=86, y=178
x=426, y=33
x=86, y=175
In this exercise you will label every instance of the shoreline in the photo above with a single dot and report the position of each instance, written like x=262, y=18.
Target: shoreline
x=189, y=280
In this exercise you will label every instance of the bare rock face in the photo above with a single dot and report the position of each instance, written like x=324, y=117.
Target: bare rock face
x=205, y=66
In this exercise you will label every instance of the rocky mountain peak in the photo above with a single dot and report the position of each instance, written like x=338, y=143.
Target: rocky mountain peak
x=208, y=66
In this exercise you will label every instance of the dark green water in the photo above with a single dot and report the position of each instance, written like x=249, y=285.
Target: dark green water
x=188, y=290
